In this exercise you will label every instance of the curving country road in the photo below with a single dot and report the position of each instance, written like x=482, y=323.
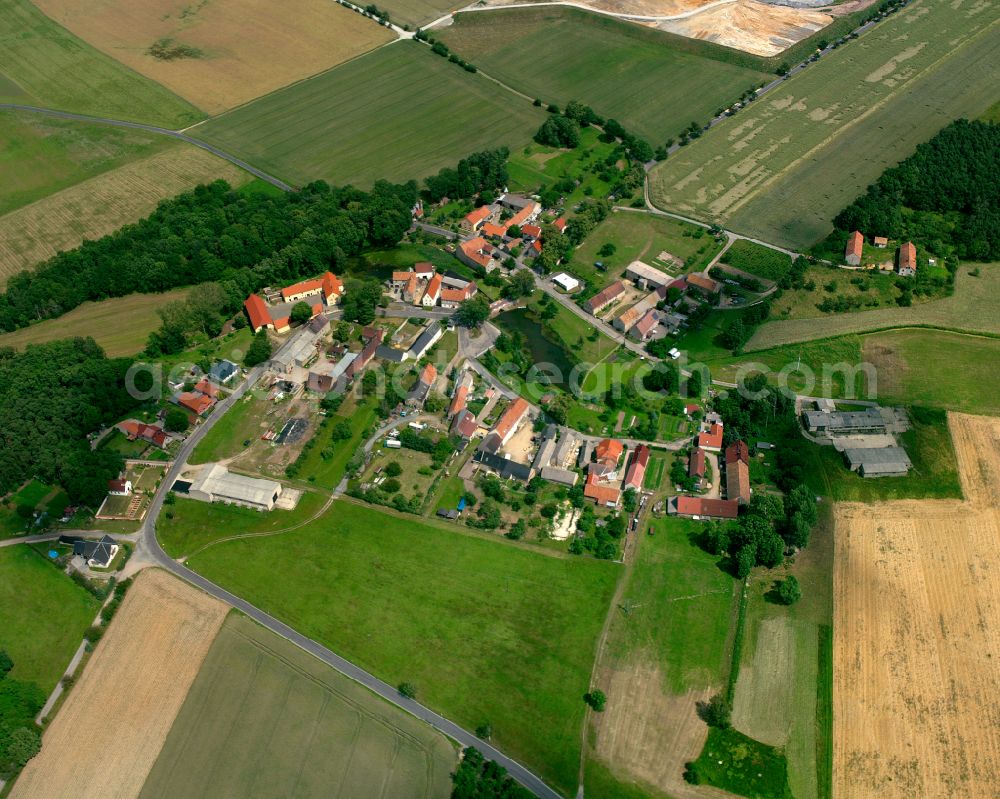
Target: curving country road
x=173, y=134
x=149, y=551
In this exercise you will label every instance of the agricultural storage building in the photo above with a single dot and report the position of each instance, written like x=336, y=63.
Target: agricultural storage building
x=645, y=276
x=215, y=483
x=425, y=341
x=565, y=282
x=844, y=422
x=855, y=247
x=883, y=462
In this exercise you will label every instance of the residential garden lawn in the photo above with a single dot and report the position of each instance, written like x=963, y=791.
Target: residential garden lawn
x=739, y=764
x=121, y=325
x=45, y=615
x=641, y=236
x=775, y=170
x=42, y=63
x=225, y=439
x=33, y=492
x=225, y=41
x=450, y=493
x=757, y=259
x=784, y=694
x=324, y=734
x=416, y=114
x=188, y=525
x=483, y=629
x=973, y=307
x=328, y=473
x=655, y=471
x=536, y=165
x=933, y=367
x=641, y=78
x=411, y=481
x=934, y=474
x=99, y=205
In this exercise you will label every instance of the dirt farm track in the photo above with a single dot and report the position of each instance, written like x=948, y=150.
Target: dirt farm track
x=917, y=636
x=104, y=740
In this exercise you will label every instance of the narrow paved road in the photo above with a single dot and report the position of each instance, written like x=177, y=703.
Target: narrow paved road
x=174, y=134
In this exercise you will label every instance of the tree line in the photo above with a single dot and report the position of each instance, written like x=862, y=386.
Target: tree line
x=945, y=196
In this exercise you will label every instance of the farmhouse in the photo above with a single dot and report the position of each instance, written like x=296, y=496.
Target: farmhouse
x=464, y=424
x=645, y=276
x=327, y=287
x=608, y=452
x=702, y=508
x=194, y=401
x=473, y=220
x=459, y=398
x=712, y=438
x=119, y=488
x=907, y=266
x=215, y=483
x=636, y=471
x=134, y=429
x=855, y=246
x=477, y=253
x=628, y=319
x=506, y=425
x=644, y=328
x=565, y=282
x=96, y=553
x=834, y=423
x=738, y=481
x=491, y=230
x=433, y=292
x=452, y=297
x=424, y=341
x=373, y=338
x=703, y=284
x=881, y=462
x=325, y=290
x=325, y=375
x=696, y=465
x=605, y=297
x=418, y=394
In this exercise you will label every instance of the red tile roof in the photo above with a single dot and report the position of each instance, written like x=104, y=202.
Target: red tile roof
x=533, y=231
x=195, y=401
x=855, y=244
x=423, y=267
x=691, y=408
x=704, y=283
x=473, y=250
x=609, y=451
x=637, y=467
x=465, y=423
x=524, y=214
x=491, y=229
x=908, y=256
x=511, y=417
x=602, y=494
x=699, y=506
x=737, y=451
x=257, y=312
x=434, y=287
x=402, y=277
x=477, y=215
x=206, y=388
x=429, y=374
x=560, y=224
x=117, y=486
x=713, y=438
x=738, y=481
x=458, y=400
x=696, y=463
x=646, y=325
x=606, y=296
x=536, y=245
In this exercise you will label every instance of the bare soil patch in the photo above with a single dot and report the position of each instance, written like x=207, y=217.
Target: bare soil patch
x=917, y=637
x=107, y=736
x=102, y=204
x=227, y=53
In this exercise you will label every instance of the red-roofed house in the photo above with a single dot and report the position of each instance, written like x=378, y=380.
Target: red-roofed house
x=907, y=260
x=328, y=285
x=195, y=401
x=433, y=292
x=492, y=230
x=696, y=464
x=737, y=451
x=525, y=215
x=258, y=313
x=605, y=297
x=738, y=481
x=636, y=471
x=119, y=488
x=206, y=388
x=691, y=408
x=602, y=494
x=704, y=284
x=703, y=508
x=881, y=242
x=458, y=400
x=134, y=429
x=560, y=224
x=536, y=247
x=452, y=297
x=506, y=425
x=423, y=269
x=465, y=424
x=531, y=232
x=712, y=438
x=644, y=328
x=855, y=247
x=608, y=452
x=472, y=221
x=477, y=252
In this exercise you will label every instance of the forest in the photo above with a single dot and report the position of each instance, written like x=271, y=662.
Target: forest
x=945, y=196
x=52, y=396
x=212, y=234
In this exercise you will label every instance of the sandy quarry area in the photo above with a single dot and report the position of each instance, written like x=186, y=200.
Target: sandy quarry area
x=917, y=636
x=756, y=27
x=105, y=739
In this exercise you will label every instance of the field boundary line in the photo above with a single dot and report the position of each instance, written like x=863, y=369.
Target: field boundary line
x=614, y=15
x=876, y=330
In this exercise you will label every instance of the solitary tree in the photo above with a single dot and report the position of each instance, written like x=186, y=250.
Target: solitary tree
x=717, y=712
x=393, y=469
x=789, y=592
x=259, y=349
x=409, y=690
x=484, y=731
x=6, y=664
x=596, y=699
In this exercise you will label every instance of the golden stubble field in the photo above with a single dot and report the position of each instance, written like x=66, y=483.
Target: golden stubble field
x=106, y=737
x=102, y=204
x=917, y=636
x=247, y=47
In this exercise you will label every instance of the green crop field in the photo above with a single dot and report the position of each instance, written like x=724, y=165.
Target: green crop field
x=42, y=63
x=641, y=236
x=485, y=630
x=44, y=618
x=263, y=718
x=654, y=83
x=973, y=307
x=398, y=113
x=40, y=155
x=119, y=325
x=757, y=260
x=418, y=12
x=784, y=167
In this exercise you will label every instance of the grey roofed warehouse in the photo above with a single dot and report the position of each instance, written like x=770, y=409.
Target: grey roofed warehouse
x=215, y=483
x=883, y=462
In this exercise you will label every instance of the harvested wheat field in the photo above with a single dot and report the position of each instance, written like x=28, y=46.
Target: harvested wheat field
x=109, y=733
x=209, y=51
x=103, y=204
x=917, y=636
